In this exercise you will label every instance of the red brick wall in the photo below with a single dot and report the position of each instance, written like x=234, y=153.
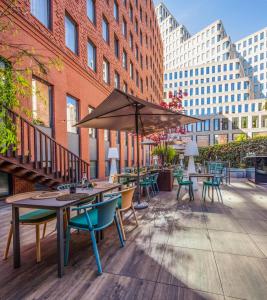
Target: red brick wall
x=76, y=78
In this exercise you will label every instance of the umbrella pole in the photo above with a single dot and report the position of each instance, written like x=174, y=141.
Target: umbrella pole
x=139, y=205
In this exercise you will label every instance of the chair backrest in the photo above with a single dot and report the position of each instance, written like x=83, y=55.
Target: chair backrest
x=127, y=198
x=64, y=186
x=105, y=212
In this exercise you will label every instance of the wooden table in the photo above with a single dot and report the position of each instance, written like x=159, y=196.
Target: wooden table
x=204, y=175
x=132, y=176
x=59, y=207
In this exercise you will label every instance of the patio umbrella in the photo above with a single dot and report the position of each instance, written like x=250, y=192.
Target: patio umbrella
x=121, y=111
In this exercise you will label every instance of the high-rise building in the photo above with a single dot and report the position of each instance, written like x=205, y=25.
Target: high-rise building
x=222, y=87
x=101, y=45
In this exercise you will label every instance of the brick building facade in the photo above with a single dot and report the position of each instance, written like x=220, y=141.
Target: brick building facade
x=131, y=59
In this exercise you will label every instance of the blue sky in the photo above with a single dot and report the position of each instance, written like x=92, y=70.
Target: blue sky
x=240, y=17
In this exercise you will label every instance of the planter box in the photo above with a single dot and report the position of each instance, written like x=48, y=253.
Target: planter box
x=165, y=180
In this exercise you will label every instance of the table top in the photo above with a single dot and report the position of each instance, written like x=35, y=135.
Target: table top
x=134, y=175
x=53, y=203
x=201, y=175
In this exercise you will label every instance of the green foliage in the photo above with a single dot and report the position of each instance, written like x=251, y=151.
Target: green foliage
x=165, y=153
x=8, y=99
x=234, y=151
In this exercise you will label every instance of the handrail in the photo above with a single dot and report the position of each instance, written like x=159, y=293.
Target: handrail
x=45, y=153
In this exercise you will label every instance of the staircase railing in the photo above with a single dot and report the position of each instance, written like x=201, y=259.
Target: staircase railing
x=41, y=152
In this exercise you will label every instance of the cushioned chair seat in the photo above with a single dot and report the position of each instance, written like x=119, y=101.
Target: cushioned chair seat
x=185, y=182
x=37, y=216
x=211, y=183
x=81, y=220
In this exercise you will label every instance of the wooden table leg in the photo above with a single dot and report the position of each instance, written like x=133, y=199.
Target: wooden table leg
x=60, y=242
x=16, y=237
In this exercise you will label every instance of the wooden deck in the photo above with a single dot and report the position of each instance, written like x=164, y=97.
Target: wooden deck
x=180, y=250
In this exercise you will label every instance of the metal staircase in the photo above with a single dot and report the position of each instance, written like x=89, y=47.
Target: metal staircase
x=39, y=158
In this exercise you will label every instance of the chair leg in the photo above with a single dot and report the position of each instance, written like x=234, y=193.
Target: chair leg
x=205, y=191
x=67, y=247
x=157, y=186
x=38, y=243
x=119, y=230
x=191, y=193
x=9, y=237
x=121, y=224
x=44, y=230
x=178, y=192
x=96, y=253
x=220, y=193
x=203, y=188
x=148, y=193
x=135, y=216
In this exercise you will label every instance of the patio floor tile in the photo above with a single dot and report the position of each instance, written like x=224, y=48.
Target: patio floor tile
x=195, y=269
x=172, y=292
x=243, y=277
x=189, y=238
x=235, y=243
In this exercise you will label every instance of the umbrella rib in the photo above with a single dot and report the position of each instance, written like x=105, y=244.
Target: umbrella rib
x=146, y=114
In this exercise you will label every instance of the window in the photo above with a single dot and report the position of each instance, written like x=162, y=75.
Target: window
x=244, y=122
x=224, y=124
x=91, y=53
x=41, y=103
x=264, y=121
x=235, y=123
x=216, y=124
x=92, y=131
x=124, y=59
x=255, y=122
x=41, y=10
x=116, y=46
x=116, y=80
x=131, y=40
x=206, y=125
x=106, y=71
x=71, y=36
x=131, y=70
x=136, y=26
x=91, y=10
x=199, y=126
x=72, y=114
x=116, y=11
x=93, y=169
x=131, y=12
x=124, y=28
x=106, y=135
x=220, y=139
x=105, y=30
x=125, y=87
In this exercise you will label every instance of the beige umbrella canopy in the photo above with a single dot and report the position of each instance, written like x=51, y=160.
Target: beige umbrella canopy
x=121, y=111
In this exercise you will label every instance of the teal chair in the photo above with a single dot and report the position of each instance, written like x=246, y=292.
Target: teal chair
x=185, y=183
x=146, y=184
x=154, y=183
x=214, y=183
x=95, y=217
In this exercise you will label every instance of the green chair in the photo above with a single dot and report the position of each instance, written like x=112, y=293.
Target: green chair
x=185, y=183
x=146, y=184
x=214, y=183
x=154, y=183
x=95, y=217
